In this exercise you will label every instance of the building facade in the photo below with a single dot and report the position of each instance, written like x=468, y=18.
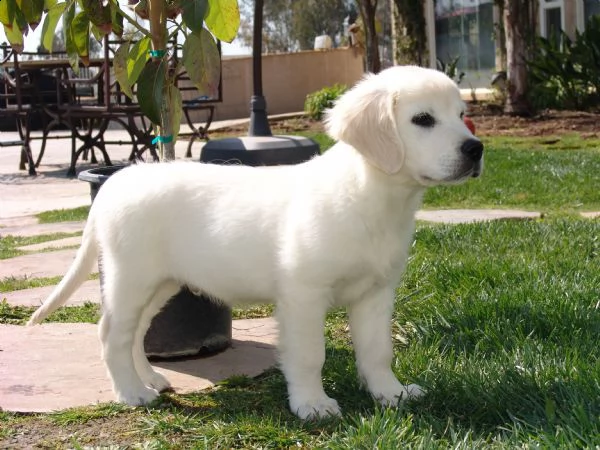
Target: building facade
x=467, y=30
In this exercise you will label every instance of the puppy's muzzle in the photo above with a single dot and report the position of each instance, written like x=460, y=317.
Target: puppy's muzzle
x=473, y=149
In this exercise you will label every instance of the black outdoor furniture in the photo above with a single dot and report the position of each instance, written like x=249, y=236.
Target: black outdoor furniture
x=85, y=103
x=17, y=87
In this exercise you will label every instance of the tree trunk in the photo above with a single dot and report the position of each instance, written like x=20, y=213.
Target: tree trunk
x=500, y=36
x=409, y=32
x=367, y=11
x=518, y=15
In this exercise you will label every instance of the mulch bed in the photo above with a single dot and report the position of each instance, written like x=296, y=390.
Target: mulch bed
x=489, y=120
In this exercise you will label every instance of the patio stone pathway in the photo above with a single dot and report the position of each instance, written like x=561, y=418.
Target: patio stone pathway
x=55, y=365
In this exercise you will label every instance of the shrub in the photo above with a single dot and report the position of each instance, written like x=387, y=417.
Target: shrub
x=565, y=74
x=317, y=102
x=450, y=68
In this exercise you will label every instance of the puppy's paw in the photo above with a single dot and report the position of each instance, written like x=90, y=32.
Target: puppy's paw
x=159, y=382
x=317, y=408
x=396, y=393
x=137, y=398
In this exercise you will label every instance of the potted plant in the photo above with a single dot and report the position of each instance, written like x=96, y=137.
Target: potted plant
x=147, y=65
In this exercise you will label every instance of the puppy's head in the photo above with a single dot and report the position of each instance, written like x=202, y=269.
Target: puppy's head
x=408, y=120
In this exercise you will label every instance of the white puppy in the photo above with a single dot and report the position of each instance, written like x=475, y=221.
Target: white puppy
x=334, y=231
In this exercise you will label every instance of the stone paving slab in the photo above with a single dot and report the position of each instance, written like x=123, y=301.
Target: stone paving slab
x=52, y=245
x=591, y=214
x=454, y=216
x=42, y=228
x=33, y=196
x=18, y=222
x=55, y=366
x=39, y=265
x=87, y=292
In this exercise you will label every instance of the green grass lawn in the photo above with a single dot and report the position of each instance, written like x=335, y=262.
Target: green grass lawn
x=498, y=321
x=527, y=174
x=9, y=245
x=19, y=315
x=64, y=215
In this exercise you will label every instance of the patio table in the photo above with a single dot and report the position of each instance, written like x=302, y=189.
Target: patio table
x=87, y=117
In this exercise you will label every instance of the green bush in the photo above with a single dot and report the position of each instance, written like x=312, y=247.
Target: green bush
x=565, y=74
x=317, y=102
x=450, y=68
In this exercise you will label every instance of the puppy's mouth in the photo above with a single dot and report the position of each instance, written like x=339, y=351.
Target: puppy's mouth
x=477, y=169
x=473, y=170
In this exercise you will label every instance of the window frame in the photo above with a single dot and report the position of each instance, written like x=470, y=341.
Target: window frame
x=551, y=4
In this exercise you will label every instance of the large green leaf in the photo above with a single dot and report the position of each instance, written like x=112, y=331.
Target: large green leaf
x=136, y=60
x=14, y=36
x=32, y=11
x=21, y=21
x=202, y=62
x=223, y=19
x=99, y=14
x=120, y=68
x=80, y=32
x=17, y=29
x=116, y=18
x=49, y=26
x=70, y=47
x=128, y=63
x=98, y=32
x=7, y=12
x=151, y=89
x=193, y=13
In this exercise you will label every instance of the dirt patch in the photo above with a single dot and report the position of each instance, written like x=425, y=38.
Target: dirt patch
x=41, y=432
x=488, y=118
x=490, y=121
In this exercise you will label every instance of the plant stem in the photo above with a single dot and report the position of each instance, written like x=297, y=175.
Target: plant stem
x=158, y=32
x=135, y=24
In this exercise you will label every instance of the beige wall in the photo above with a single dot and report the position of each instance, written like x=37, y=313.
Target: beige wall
x=287, y=79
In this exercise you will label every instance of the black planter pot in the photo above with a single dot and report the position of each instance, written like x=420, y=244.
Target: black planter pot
x=189, y=324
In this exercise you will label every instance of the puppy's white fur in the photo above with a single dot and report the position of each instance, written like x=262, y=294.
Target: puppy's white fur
x=332, y=231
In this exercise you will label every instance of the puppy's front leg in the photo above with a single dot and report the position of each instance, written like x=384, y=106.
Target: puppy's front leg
x=370, y=326
x=301, y=318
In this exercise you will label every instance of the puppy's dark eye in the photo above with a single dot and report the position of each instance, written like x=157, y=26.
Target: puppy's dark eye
x=423, y=120
x=462, y=114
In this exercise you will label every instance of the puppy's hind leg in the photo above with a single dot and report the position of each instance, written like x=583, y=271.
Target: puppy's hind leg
x=125, y=299
x=148, y=375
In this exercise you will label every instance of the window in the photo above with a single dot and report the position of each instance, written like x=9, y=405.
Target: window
x=591, y=8
x=552, y=19
x=464, y=29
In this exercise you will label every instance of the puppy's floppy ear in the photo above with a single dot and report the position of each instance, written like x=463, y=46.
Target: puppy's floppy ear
x=364, y=118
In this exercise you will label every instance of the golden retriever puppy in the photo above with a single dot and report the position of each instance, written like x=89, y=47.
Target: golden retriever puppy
x=334, y=231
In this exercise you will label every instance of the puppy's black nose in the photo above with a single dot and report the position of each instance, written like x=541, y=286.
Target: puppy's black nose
x=473, y=148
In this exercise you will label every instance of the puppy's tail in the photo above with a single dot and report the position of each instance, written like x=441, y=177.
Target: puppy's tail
x=78, y=272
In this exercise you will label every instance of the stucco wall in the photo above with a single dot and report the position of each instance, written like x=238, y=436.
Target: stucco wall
x=287, y=79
